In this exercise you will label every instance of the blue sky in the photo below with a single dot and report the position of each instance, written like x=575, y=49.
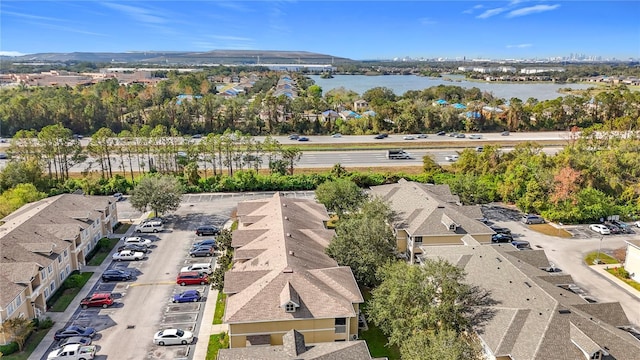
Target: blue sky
x=355, y=29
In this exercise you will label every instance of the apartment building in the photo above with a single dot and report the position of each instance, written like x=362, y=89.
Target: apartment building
x=42, y=243
x=282, y=280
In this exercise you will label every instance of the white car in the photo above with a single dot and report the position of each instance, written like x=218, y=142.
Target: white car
x=637, y=224
x=128, y=255
x=599, y=228
x=199, y=267
x=337, y=135
x=137, y=240
x=475, y=136
x=409, y=137
x=452, y=158
x=173, y=337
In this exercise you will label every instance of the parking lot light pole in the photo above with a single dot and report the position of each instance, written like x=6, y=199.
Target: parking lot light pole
x=597, y=261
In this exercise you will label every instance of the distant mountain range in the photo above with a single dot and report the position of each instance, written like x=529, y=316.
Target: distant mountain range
x=226, y=57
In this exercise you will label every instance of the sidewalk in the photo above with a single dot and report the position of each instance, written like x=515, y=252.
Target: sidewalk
x=62, y=318
x=207, y=328
x=601, y=270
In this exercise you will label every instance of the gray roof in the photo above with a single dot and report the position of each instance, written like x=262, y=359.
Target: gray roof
x=287, y=251
x=532, y=317
x=294, y=348
x=426, y=210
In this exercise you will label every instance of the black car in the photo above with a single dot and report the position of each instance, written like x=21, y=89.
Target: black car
x=207, y=230
x=208, y=242
x=501, y=238
x=379, y=136
x=116, y=275
x=74, y=330
x=613, y=228
x=441, y=133
x=500, y=230
x=134, y=247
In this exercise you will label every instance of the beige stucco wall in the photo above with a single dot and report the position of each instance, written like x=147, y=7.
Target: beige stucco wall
x=401, y=241
x=632, y=262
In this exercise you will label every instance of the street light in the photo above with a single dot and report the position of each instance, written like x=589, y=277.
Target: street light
x=597, y=260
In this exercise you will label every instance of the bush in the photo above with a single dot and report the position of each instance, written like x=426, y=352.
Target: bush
x=73, y=281
x=45, y=323
x=10, y=348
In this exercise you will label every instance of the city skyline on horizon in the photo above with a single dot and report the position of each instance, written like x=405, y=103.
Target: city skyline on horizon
x=358, y=30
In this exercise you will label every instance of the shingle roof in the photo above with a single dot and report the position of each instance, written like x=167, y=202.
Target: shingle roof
x=425, y=208
x=532, y=316
x=287, y=251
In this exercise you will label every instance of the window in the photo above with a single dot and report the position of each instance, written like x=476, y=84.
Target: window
x=290, y=307
x=65, y=253
x=43, y=274
x=418, y=239
x=10, y=309
x=59, y=259
x=62, y=276
x=52, y=286
x=341, y=325
x=46, y=293
x=50, y=269
x=19, y=300
x=67, y=270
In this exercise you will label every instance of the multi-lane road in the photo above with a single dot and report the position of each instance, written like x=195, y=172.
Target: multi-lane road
x=437, y=147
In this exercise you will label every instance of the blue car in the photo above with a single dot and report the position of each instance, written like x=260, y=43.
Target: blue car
x=74, y=330
x=187, y=296
x=303, y=138
x=208, y=242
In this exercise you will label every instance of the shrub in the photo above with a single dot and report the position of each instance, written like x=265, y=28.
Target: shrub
x=73, y=281
x=10, y=348
x=45, y=323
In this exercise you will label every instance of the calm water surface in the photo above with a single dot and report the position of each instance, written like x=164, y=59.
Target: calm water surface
x=403, y=83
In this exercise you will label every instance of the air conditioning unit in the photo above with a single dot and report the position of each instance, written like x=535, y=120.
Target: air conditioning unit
x=354, y=337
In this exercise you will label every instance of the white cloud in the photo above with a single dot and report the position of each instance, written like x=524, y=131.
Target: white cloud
x=491, y=12
x=532, y=10
x=29, y=16
x=227, y=37
x=519, y=46
x=427, y=21
x=11, y=53
x=137, y=13
x=475, y=7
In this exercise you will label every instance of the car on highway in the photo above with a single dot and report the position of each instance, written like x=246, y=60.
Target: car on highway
x=501, y=238
x=201, y=251
x=128, y=255
x=134, y=247
x=187, y=296
x=408, y=137
x=441, y=133
x=460, y=136
x=74, y=330
x=137, y=240
x=452, y=158
x=303, y=138
x=196, y=136
x=532, y=219
x=207, y=242
x=3, y=156
x=479, y=149
x=422, y=136
x=75, y=340
x=173, y=337
x=500, y=230
x=199, y=267
x=116, y=275
x=600, y=229
x=294, y=137
x=505, y=133
x=192, y=278
x=103, y=300
x=207, y=230
x=336, y=135
x=475, y=136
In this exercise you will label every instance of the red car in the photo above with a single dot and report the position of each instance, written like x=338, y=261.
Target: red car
x=192, y=278
x=96, y=300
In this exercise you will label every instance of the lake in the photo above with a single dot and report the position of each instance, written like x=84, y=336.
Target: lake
x=403, y=83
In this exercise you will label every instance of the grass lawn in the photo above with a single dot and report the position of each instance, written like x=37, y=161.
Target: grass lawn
x=122, y=229
x=61, y=303
x=630, y=282
x=377, y=343
x=216, y=342
x=102, y=253
x=550, y=230
x=29, y=346
x=217, y=315
x=604, y=258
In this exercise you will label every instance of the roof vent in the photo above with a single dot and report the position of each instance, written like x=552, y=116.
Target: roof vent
x=286, y=218
x=288, y=234
x=564, y=311
x=527, y=283
x=292, y=253
x=284, y=205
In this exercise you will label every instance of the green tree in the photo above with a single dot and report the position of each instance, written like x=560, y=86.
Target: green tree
x=159, y=193
x=17, y=196
x=291, y=155
x=432, y=297
x=364, y=242
x=21, y=172
x=340, y=196
x=442, y=345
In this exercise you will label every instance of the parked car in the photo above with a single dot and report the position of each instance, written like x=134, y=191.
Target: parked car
x=600, y=229
x=500, y=230
x=103, y=300
x=137, y=240
x=192, y=278
x=201, y=251
x=199, y=267
x=128, y=255
x=187, y=296
x=155, y=219
x=532, y=219
x=74, y=330
x=150, y=227
x=336, y=135
x=207, y=230
x=294, y=137
x=475, y=136
x=116, y=275
x=613, y=228
x=75, y=340
x=623, y=226
x=73, y=352
x=521, y=245
x=207, y=242
x=173, y=337
x=501, y=238
x=133, y=247
x=408, y=137
x=452, y=158
x=118, y=196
